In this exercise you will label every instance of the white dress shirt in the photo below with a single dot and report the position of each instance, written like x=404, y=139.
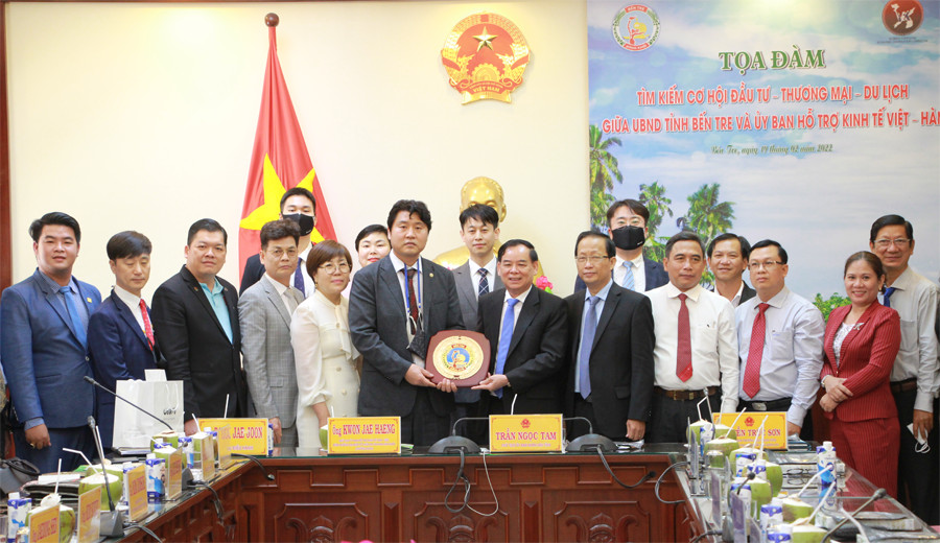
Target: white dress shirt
x=712, y=339
x=491, y=268
x=916, y=300
x=516, y=310
x=793, y=351
x=284, y=292
x=640, y=277
x=599, y=307
x=309, y=286
x=133, y=303
x=400, y=274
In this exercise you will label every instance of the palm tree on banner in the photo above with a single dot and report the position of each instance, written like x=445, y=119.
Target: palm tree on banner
x=653, y=196
x=707, y=216
x=603, y=170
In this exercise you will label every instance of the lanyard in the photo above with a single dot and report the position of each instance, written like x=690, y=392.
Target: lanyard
x=408, y=304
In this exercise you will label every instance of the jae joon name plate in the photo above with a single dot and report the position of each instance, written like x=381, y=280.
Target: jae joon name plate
x=459, y=355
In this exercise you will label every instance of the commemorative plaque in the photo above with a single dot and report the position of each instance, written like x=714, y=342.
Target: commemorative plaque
x=459, y=355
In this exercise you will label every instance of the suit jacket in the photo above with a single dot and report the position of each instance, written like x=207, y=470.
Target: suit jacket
x=620, y=366
x=43, y=360
x=119, y=350
x=747, y=293
x=196, y=347
x=866, y=359
x=654, y=276
x=267, y=353
x=467, y=295
x=377, y=326
x=537, y=350
x=251, y=273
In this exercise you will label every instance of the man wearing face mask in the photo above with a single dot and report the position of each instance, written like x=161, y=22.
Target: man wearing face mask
x=627, y=226
x=297, y=205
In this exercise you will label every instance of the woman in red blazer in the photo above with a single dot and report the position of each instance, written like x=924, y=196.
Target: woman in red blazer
x=860, y=345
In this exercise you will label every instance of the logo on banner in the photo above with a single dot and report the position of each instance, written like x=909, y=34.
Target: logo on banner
x=636, y=27
x=485, y=56
x=902, y=17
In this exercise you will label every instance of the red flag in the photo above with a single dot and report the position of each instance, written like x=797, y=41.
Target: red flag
x=279, y=161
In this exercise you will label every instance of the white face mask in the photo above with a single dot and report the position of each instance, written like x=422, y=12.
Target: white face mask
x=921, y=445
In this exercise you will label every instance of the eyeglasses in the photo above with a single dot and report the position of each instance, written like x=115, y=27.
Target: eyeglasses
x=768, y=265
x=278, y=252
x=884, y=243
x=330, y=267
x=595, y=259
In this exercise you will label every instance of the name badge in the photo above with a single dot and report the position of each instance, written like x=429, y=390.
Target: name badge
x=526, y=433
x=364, y=435
x=746, y=429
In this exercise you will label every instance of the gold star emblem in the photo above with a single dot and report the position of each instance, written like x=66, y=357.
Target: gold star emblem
x=484, y=39
x=273, y=190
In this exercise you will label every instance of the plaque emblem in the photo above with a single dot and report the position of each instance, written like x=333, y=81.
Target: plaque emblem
x=485, y=55
x=458, y=357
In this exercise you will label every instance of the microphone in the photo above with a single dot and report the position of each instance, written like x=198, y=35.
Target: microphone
x=454, y=444
x=132, y=404
x=877, y=495
x=112, y=522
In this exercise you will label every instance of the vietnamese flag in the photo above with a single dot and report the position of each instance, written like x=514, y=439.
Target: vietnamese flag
x=279, y=161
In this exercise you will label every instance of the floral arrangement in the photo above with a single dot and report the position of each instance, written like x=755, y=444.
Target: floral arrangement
x=543, y=283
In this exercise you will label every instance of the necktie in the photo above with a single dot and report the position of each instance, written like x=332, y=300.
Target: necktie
x=584, y=380
x=506, y=337
x=483, y=287
x=628, y=282
x=299, y=276
x=412, y=302
x=148, y=329
x=885, y=297
x=684, y=352
x=74, y=316
x=751, y=383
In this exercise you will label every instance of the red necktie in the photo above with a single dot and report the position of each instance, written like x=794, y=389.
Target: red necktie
x=148, y=329
x=412, y=302
x=684, y=353
x=752, y=383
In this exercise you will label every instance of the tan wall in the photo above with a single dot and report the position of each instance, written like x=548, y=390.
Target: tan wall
x=136, y=116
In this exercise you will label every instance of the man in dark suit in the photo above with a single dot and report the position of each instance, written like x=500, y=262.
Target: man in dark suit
x=43, y=339
x=120, y=334
x=627, y=226
x=728, y=258
x=298, y=205
x=610, y=378
x=196, y=322
x=476, y=277
x=527, y=329
x=396, y=305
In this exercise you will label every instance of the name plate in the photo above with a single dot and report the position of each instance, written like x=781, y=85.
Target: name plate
x=44, y=525
x=205, y=455
x=364, y=435
x=526, y=433
x=247, y=436
x=746, y=429
x=137, y=492
x=174, y=475
x=89, y=515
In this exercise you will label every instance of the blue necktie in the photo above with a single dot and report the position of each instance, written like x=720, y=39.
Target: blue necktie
x=483, y=287
x=299, y=276
x=629, y=276
x=885, y=297
x=506, y=337
x=584, y=379
x=73, y=314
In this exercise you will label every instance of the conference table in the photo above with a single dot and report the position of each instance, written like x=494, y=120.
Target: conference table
x=509, y=497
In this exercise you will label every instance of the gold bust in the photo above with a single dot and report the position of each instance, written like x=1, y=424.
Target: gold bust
x=479, y=190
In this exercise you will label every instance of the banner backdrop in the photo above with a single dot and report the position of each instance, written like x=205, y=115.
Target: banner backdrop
x=799, y=121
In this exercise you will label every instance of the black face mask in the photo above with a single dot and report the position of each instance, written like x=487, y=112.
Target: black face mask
x=628, y=237
x=306, y=222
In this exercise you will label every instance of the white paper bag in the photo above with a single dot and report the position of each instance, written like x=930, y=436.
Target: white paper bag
x=164, y=399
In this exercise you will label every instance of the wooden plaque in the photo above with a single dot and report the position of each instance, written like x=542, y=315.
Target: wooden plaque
x=459, y=355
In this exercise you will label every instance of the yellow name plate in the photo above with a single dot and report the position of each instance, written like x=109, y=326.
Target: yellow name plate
x=44, y=525
x=247, y=436
x=89, y=515
x=174, y=475
x=746, y=429
x=526, y=433
x=137, y=492
x=364, y=435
